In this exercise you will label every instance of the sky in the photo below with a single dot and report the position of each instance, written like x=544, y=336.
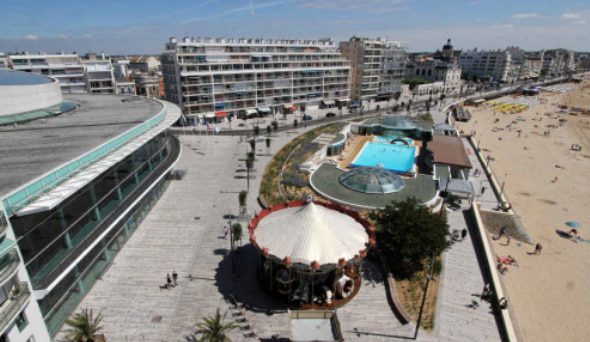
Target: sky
x=144, y=26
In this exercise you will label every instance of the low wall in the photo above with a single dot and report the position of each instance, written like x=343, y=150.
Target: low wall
x=17, y=99
x=490, y=263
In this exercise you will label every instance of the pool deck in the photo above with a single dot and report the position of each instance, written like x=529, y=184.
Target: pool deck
x=325, y=181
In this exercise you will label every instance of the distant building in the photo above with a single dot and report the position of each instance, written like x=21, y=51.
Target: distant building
x=125, y=88
x=3, y=61
x=230, y=77
x=439, y=68
x=494, y=65
x=144, y=64
x=100, y=78
x=377, y=66
x=67, y=69
x=557, y=62
x=147, y=85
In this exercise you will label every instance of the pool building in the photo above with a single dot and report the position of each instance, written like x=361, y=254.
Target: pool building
x=79, y=173
x=381, y=160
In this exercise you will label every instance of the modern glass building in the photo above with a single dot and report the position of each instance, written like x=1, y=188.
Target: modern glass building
x=74, y=187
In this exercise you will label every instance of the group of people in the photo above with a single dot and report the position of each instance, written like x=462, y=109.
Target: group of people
x=171, y=281
x=509, y=260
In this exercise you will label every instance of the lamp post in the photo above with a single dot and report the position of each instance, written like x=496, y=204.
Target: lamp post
x=231, y=241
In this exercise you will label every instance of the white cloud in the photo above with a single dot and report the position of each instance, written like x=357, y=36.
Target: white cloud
x=31, y=37
x=355, y=5
x=502, y=26
x=570, y=16
x=581, y=22
x=526, y=16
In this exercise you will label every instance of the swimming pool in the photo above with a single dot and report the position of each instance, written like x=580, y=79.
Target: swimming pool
x=393, y=157
x=389, y=139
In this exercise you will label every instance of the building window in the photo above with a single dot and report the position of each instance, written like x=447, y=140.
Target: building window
x=21, y=321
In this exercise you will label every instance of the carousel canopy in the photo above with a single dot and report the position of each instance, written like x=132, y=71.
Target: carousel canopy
x=311, y=233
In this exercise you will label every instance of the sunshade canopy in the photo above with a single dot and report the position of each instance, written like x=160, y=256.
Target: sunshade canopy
x=310, y=233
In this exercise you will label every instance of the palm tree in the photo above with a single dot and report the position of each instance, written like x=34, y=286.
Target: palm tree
x=253, y=144
x=236, y=231
x=84, y=327
x=268, y=145
x=212, y=328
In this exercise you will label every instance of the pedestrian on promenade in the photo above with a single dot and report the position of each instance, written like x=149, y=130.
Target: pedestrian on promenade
x=486, y=293
x=225, y=231
x=168, y=280
x=463, y=234
x=538, y=248
x=175, y=277
x=483, y=189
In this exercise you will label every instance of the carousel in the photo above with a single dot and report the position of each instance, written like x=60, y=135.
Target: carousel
x=310, y=252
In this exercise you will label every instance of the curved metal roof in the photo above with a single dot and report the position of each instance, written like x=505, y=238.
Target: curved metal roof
x=17, y=78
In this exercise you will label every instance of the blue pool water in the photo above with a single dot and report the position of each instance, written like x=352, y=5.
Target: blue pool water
x=393, y=157
x=387, y=139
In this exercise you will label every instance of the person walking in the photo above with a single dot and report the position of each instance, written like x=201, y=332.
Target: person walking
x=225, y=231
x=483, y=190
x=168, y=280
x=175, y=278
x=463, y=234
x=538, y=248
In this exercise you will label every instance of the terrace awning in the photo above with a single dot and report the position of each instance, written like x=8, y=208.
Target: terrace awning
x=209, y=115
x=458, y=187
x=251, y=112
x=221, y=114
x=328, y=102
x=263, y=110
x=449, y=150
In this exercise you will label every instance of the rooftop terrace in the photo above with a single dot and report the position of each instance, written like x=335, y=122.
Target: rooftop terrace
x=34, y=148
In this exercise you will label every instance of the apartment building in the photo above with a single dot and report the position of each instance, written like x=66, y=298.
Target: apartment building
x=377, y=66
x=99, y=75
x=495, y=65
x=66, y=68
x=233, y=77
x=71, y=198
x=557, y=62
x=3, y=61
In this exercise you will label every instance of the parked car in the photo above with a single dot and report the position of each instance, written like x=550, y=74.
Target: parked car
x=330, y=115
x=307, y=118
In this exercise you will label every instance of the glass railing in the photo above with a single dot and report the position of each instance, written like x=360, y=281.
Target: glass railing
x=28, y=193
x=9, y=262
x=19, y=295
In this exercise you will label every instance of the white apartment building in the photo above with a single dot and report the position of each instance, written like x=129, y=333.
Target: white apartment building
x=493, y=64
x=224, y=76
x=377, y=66
x=434, y=70
x=100, y=78
x=67, y=69
x=3, y=61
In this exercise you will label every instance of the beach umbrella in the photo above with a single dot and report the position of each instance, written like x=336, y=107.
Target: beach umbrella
x=572, y=224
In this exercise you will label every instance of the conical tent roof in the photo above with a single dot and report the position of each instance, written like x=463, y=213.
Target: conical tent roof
x=311, y=233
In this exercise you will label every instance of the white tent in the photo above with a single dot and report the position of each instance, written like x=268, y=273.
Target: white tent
x=311, y=233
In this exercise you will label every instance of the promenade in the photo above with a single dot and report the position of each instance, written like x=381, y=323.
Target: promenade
x=184, y=232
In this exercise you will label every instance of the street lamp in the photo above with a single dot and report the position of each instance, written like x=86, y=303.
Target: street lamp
x=429, y=276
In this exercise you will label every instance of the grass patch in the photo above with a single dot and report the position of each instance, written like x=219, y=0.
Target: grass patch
x=411, y=291
x=296, y=180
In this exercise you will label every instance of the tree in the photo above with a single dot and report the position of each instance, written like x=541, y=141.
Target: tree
x=409, y=106
x=83, y=327
x=212, y=328
x=378, y=108
x=395, y=108
x=236, y=232
x=252, y=144
x=408, y=233
x=267, y=141
x=242, y=196
x=268, y=129
x=339, y=105
x=275, y=125
x=256, y=130
x=249, y=166
x=295, y=123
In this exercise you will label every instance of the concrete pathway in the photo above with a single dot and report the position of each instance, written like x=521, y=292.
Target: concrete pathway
x=183, y=232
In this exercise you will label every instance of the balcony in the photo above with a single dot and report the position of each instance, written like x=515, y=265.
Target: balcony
x=9, y=261
x=19, y=296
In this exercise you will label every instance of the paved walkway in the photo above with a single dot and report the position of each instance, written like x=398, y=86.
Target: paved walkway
x=183, y=232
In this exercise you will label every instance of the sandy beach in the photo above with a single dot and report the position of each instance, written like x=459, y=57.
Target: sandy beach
x=547, y=184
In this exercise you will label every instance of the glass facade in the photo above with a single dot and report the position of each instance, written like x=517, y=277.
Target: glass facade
x=51, y=241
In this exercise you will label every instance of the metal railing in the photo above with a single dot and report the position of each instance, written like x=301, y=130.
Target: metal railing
x=8, y=264
x=12, y=306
